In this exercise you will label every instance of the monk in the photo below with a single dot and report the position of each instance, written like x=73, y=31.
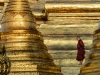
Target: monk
x=81, y=51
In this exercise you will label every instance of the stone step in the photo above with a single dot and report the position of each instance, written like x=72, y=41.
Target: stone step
x=38, y=5
x=68, y=7
x=53, y=44
x=62, y=51
x=70, y=70
x=32, y=1
x=66, y=62
x=66, y=58
x=70, y=21
x=67, y=54
x=75, y=25
x=68, y=29
x=74, y=15
x=38, y=10
x=67, y=37
x=39, y=14
x=66, y=43
x=65, y=18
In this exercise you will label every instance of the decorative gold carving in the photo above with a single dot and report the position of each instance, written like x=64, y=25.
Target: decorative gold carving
x=23, y=43
x=4, y=61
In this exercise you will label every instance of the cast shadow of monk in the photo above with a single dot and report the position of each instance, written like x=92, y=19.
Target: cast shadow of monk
x=4, y=62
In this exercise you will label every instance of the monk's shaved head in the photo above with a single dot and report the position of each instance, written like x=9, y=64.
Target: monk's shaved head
x=78, y=37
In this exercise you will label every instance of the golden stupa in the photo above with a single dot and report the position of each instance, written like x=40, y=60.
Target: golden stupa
x=24, y=45
x=4, y=61
x=92, y=63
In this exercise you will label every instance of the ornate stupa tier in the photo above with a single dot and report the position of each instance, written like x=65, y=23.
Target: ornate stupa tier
x=24, y=43
x=28, y=55
x=22, y=5
x=18, y=16
x=91, y=66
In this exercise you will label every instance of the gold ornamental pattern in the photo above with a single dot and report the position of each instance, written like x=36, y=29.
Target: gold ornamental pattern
x=24, y=45
x=18, y=17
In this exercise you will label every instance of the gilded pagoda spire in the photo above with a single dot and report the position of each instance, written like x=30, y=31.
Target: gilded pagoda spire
x=24, y=43
x=92, y=64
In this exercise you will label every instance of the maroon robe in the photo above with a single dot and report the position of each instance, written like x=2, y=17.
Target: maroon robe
x=81, y=51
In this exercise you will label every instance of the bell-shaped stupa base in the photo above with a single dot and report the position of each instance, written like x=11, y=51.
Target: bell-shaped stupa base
x=92, y=64
x=23, y=43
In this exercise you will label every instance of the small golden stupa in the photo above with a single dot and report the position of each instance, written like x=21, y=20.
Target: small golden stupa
x=24, y=43
x=92, y=63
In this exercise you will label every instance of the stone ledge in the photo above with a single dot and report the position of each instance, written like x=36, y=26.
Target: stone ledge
x=68, y=29
x=65, y=7
x=55, y=51
x=66, y=62
x=70, y=70
x=39, y=14
x=70, y=21
x=71, y=54
x=78, y=18
x=74, y=14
